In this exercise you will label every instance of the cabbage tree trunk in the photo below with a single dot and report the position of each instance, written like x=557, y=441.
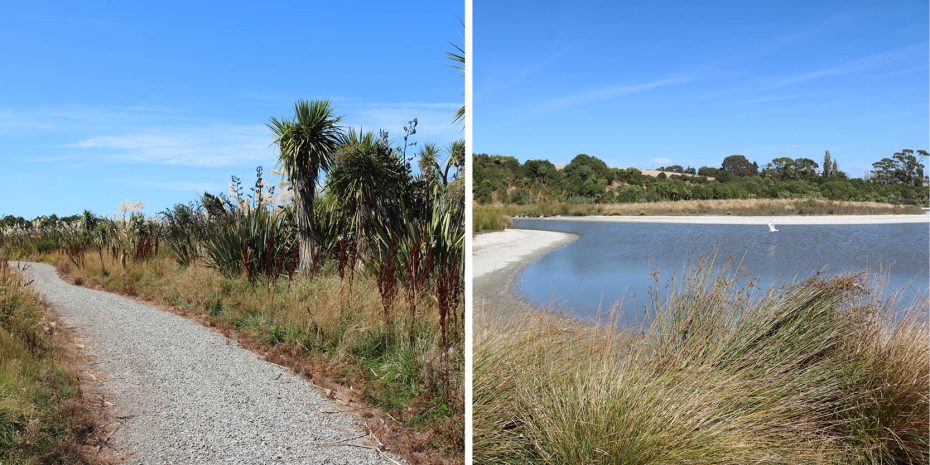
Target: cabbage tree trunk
x=303, y=203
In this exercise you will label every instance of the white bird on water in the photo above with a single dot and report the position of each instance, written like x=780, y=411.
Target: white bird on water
x=772, y=227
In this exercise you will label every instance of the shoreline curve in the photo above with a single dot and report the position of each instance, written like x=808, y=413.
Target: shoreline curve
x=497, y=258
x=495, y=251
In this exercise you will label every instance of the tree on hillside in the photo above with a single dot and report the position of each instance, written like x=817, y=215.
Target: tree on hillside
x=902, y=168
x=586, y=176
x=739, y=165
x=780, y=168
x=805, y=168
x=509, y=164
x=541, y=172
x=672, y=169
x=306, y=143
x=831, y=167
x=787, y=168
x=828, y=165
x=678, y=169
x=483, y=191
x=631, y=176
x=707, y=171
x=14, y=221
x=494, y=172
x=884, y=171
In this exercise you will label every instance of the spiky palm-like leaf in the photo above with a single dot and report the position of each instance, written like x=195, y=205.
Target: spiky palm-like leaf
x=458, y=58
x=456, y=160
x=428, y=161
x=306, y=143
x=369, y=178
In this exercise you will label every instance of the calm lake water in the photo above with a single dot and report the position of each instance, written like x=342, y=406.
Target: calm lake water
x=612, y=260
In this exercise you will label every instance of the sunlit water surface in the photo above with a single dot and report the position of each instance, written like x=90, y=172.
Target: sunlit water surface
x=612, y=260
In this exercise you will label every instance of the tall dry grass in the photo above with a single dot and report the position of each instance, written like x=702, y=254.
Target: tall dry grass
x=747, y=207
x=489, y=218
x=42, y=415
x=815, y=373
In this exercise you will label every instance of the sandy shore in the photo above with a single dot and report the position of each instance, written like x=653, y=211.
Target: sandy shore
x=792, y=219
x=494, y=251
x=497, y=258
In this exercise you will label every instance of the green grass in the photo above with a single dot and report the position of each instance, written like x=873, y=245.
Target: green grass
x=42, y=419
x=489, y=218
x=812, y=373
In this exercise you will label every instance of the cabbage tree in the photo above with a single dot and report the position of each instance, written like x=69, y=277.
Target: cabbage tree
x=306, y=143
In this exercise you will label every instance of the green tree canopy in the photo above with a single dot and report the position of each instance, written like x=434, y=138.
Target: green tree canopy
x=739, y=165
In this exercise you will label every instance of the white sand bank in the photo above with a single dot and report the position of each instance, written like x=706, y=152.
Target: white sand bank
x=495, y=250
x=793, y=219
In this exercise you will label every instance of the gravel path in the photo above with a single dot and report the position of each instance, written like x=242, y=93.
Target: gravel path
x=186, y=394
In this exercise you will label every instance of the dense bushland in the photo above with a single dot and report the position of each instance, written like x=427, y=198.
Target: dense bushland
x=587, y=179
x=816, y=372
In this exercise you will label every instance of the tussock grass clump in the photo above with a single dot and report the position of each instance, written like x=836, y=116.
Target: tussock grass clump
x=42, y=419
x=489, y=218
x=815, y=372
x=745, y=207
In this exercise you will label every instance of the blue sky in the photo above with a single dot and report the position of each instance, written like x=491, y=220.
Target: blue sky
x=681, y=82
x=102, y=102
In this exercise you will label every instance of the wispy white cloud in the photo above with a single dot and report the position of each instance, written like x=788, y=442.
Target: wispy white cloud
x=823, y=26
x=52, y=159
x=13, y=122
x=212, y=146
x=600, y=94
x=517, y=73
x=893, y=59
x=160, y=135
x=661, y=160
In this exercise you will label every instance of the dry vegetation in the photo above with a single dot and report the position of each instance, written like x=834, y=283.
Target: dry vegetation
x=495, y=216
x=814, y=373
x=490, y=218
x=43, y=415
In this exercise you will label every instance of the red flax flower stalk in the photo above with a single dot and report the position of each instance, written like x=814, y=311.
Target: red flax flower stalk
x=343, y=256
x=447, y=286
x=418, y=264
x=387, y=279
